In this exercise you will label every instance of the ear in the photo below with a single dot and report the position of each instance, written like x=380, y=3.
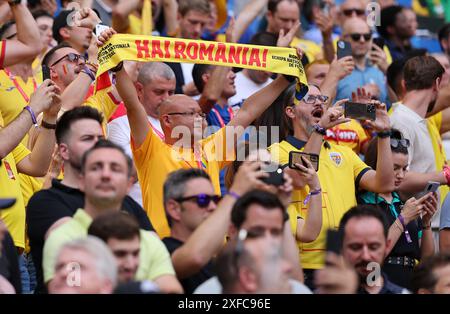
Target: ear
x=53, y=74
x=165, y=120
x=64, y=151
x=205, y=77
x=389, y=244
x=438, y=83
x=403, y=85
x=64, y=32
x=290, y=112
x=248, y=279
x=173, y=210
x=269, y=15
x=390, y=30
x=139, y=90
x=81, y=185
x=232, y=231
x=179, y=17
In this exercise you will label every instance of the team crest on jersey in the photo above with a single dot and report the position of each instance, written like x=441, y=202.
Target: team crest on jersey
x=336, y=158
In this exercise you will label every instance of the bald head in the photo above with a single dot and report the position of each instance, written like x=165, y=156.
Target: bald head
x=355, y=25
x=178, y=103
x=152, y=70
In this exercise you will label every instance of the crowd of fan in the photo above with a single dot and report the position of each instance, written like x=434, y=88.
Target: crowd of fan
x=97, y=195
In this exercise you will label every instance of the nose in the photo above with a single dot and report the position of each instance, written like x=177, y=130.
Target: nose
x=198, y=28
x=286, y=267
x=366, y=254
x=212, y=206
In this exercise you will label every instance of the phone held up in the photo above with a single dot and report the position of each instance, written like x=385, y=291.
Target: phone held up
x=333, y=241
x=360, y=111
x=344, y=49
x=275, y=172
x=296, y=158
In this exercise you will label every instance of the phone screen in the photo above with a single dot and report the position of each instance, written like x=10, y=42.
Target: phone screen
x=360, y=111
x=296, y=158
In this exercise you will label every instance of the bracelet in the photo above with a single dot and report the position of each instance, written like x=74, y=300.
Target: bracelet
x=407, y=235
x=427, y=227
x=47, y=125
x=399, y=226
x=446, y=171
x=88, y=71
x=33, y=116
x=384, y=134
x=117, y=68
x=319, y=129
x=311, y=193
x=233, y=194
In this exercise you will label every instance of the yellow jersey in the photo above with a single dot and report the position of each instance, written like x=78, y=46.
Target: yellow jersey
x=155, y=159
x=103, y=102
x=340, y=170
x=350, y=134
x=312, y=50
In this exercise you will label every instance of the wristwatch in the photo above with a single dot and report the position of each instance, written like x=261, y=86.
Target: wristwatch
x=47, y=125
x=317, y=128
x=384, y=134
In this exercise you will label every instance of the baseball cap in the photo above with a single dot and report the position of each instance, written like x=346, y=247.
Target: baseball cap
x=59, y=22
x=7, y=202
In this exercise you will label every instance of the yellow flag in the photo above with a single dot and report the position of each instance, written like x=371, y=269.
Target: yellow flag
x=147, y=20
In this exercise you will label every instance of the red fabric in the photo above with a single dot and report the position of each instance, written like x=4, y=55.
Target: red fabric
x=2, y=54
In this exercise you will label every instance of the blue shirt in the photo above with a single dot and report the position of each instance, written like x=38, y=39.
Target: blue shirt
x=359, y=78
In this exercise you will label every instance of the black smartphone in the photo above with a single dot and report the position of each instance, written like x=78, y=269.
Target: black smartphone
x=379, y=41
x=45, y=72
x=275, y=175
x=431, y=186
x=360, y=111
x=296, y=158
x=344, y=49
x=333, y=241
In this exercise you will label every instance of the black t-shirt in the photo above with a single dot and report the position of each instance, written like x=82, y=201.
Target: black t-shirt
x=47, y=206
x=190, y=283
x=9, y=263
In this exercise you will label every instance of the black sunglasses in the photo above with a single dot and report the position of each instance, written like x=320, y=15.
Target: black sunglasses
x=349, y=12
x=202, y=200
x=357, y=37
x=72, y=57
x=395, y=142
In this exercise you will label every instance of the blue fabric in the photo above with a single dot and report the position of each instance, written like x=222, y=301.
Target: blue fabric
x=359, y=78
x=24, y=275
x=314, y=34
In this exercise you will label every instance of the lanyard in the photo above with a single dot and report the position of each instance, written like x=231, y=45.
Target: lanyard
x=161, y=135
x=19, y=88
x=222, y=123
x=198, y=158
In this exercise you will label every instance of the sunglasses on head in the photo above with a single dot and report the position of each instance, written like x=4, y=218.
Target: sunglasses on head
x=71, y=57
x=349, y=12
x=202, y=200
x=357, y=37
x=395, y=142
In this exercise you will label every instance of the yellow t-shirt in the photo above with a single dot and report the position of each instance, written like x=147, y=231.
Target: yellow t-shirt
x=312, y=50
x=350, y=134
x=339, y=169
x=14, y=217
x=103, y=103
x=434, y=125
x=135, y=26
x=155, y=159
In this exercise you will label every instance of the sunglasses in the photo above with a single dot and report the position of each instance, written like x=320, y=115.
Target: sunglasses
x=349, y=12
x=311, y=99
x=357, y=37
x=71, y=57
x=202, y=200
x=404, y=142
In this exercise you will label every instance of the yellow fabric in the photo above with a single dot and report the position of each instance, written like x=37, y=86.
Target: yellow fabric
x=103, y=103
x=434, y=125
x=155, y=159
x=148, y=48
x=350, y=134
x=135, y=25
x=339, y=167
x=14, y=217
x=147, y=20
x=311, y=49
x=385, y=49
x=11, y=101
x=222, y=13
x=154, y=259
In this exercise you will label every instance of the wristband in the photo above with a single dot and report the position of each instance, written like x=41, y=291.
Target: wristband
x=89, y=72
x=33, y=116
x=117, y=68
x=384, y=134
x=402, y=221
x=446, y=171
x=47, y=125
x=235, y=195
x=319, y=129
x=311, y=193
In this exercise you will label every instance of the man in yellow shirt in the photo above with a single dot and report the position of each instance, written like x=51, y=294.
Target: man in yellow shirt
x=341, y=172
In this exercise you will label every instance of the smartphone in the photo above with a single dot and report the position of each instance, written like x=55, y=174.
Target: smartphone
x=100, y=28
x=360, y=111
x=344, y=49
x=379, y=41
x=275, y=175
x=296, y=158
x=333, y=241
x=325, y=7
x=45, y=72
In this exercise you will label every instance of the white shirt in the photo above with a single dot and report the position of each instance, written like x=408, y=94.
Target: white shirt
x=245, y=87
x=119, y=133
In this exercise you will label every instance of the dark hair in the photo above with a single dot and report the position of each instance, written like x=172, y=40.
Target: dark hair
x=362, y=211
x=394, y=74
x=265, y=199
x=5, y=27
x=52, y=51
x=421, y=72
x=117, y=225
x=184, y=6
x=370, y=157
x=444, y=33
x=273, y=4
x=59, y=22
x=40, y=13
x=423, y=276
x=175, y=184
x=106, y=144
x=69, y=117
x=197, y=72
x=264, y=39
x=388, y=18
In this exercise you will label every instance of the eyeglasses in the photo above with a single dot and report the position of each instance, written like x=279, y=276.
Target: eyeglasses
x=349, y=12
x=311, y=99
x=189, y=114
x=357, y=37
x=72, y=57
x=395, y=142
x=202, y=200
